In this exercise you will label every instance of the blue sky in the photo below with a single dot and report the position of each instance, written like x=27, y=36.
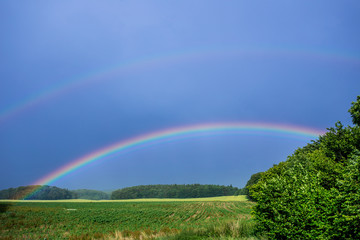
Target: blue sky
x=97, y=72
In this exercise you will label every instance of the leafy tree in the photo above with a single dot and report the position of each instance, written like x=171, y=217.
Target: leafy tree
x=315, y=193
x=355, y=111
x=340, y=142
x=348, y=200
x=290, y=200
x=253, y=179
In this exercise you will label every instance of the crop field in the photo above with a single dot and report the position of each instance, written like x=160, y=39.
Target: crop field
x=146, y=219
x=240, y=198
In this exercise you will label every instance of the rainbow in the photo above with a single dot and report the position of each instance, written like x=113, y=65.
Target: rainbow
x=173, y=57
x=180, y=133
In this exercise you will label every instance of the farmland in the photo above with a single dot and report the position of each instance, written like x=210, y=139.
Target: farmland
x=141, y=219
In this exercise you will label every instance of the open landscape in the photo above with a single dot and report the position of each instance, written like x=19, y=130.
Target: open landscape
x=180, y=120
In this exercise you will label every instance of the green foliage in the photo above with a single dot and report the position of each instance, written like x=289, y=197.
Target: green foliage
x=173, y=191
x=348, y=200
x=355, y=111
x=253, y=180
x=37, y=192
x=91, y=194
x=315, y=194
x=290, y=203
x=340, y=142
x=241, y=191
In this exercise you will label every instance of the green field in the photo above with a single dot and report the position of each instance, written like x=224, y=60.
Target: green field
x=122, y=219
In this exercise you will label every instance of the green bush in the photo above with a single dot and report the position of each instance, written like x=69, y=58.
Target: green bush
x=315, y=194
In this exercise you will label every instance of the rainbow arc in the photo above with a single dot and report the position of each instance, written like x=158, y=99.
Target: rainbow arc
x=177, y=133
x=173, y=57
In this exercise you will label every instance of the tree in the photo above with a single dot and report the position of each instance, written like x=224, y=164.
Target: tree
x=348, y=199
x=253, y=180
x=315, y=193
x=355, y=111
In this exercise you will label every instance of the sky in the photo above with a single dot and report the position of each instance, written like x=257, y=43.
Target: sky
x=78, y=76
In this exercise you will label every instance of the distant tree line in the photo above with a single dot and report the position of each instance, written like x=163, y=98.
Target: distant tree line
x=43, y=193
x=51, y=193
x=34, y=192
x=91, y=194
x=174, y=191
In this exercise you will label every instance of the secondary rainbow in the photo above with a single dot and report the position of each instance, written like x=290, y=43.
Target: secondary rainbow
x=182, y=132
x=162, y=59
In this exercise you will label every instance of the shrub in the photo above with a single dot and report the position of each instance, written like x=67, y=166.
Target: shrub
x=315, y=194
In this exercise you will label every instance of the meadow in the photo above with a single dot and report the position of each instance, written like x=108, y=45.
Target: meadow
x=206, y=218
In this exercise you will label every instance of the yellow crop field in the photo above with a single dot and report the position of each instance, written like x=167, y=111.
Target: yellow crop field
x=240, y=198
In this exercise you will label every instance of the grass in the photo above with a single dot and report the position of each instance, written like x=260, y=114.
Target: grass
x=173, y=219
x=240, y=229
